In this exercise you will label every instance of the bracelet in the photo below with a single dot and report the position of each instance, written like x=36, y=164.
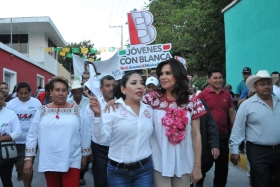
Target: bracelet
x=27, y=159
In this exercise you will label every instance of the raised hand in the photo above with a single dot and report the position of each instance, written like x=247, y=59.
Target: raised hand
x=94, y=105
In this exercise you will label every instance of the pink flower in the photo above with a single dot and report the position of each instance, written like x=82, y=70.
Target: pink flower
x=175, y=122
x=168, y=121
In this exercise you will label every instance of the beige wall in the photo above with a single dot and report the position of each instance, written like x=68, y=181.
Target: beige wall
x=61, y=71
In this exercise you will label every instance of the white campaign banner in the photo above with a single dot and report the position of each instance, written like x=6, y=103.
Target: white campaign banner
x=106, y=67
x=143, y=56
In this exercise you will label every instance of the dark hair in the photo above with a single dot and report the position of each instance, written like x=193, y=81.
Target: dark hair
x=15, y=89
x=180, y=90
x=228, y=85
x=23, y=85
x=39, y=87
x=47, y=87
x=275, y=72
x=123, y=81
x=4, y=83
x=117, y=91
x=211, y=71
x=58, y=79
x=107, y=77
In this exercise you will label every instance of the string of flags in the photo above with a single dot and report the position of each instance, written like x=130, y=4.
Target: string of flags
x=67, y=51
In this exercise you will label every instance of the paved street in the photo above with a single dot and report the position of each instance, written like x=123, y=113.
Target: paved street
x=237, y=178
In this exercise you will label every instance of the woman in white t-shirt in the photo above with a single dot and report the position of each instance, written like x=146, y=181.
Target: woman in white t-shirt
x=129, y=128
x=25, y=107
x=9, y=131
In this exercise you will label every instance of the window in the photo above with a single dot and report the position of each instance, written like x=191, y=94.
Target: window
x=20, y=42
x=52, y=46
x=10, y=78
x=7, y=79
x=40, y=81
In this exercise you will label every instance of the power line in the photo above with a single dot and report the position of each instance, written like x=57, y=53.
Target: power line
x=119, y=26
x=123, y=11
x=112, y=12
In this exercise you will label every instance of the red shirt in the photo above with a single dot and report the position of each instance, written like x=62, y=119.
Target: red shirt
x=219, y=105
x=41, y=96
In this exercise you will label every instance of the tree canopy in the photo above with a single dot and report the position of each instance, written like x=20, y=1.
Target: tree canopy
x=194, y=27
x=67, y=62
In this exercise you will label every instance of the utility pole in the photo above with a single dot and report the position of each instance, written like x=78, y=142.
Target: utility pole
x=119, y=26
x=11, y=25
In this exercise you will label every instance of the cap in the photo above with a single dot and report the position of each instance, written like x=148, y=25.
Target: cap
x=152, y=80
x=246, y=70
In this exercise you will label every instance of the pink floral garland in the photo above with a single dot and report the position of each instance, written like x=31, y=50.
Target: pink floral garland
x=175, y=122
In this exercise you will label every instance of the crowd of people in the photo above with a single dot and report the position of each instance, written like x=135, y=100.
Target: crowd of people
x=159, y=132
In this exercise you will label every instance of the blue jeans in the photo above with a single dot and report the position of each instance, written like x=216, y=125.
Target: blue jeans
x=141, y=177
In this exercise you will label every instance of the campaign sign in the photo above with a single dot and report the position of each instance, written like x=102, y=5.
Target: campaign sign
x=143, y=56
x=140, y=27
x=182, y=60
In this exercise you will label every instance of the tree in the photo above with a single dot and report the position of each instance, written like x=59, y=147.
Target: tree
x=67, y=61
x=195, y=28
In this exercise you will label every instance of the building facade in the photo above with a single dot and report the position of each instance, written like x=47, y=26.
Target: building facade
x=26, y=57
x=252, y=33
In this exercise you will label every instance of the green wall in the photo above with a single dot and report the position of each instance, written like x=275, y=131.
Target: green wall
x=252, y=31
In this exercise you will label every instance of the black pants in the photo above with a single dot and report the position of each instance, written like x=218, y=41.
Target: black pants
x=265, y=165
x=207, y=161
x=83, y=171
x=100, y=161
x=221, y=163
x=6, y=175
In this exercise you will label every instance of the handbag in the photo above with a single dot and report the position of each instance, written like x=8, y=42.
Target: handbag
x=8, y=153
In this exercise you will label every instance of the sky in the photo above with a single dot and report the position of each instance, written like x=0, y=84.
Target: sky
x=79, y=20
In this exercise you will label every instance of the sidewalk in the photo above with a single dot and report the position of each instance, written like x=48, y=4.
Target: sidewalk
x=236, y=177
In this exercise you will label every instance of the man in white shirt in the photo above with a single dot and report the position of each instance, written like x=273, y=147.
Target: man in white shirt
x=258, y=122
x=82, y=101
x=100, y=151
x=78, y=98
x=276, y=86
